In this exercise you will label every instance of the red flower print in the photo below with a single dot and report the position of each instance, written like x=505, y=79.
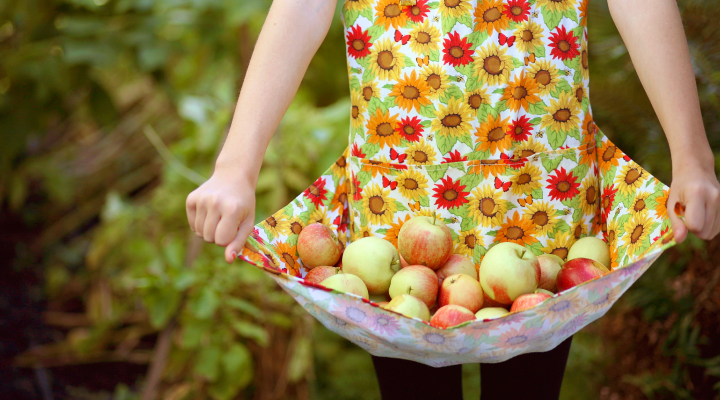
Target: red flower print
x=358, y=42
x=450, y=194
x=521, y=129
x=454, y=156
x=410, y=129
x=607, y=200
x=356, y=152
x=517, y=10
x=563, y=186
x=564, y=44
x=316, y=192
x=417, y=12
x=457, y=52
x=341, y=221
x=256, y=236
x=357, y=190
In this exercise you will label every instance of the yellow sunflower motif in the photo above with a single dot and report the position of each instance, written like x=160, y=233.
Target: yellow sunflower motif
x=377, y=166
x=436, y=79
x=364, y=232
x=588, y=129
x=579, y=229
x=486, y=168
x=340, y=198
x=489, y=17
x=357, y=5
x=639, y=205
x=296, y=225
x=288, y=254
x=411, y=92
x=420, y=153
x=378, y=205
x=467, y=241
x=320, y=216
x=543, y=215
x=412, y=184
x=546, y=75
x=492, y=65
x=529, y=35
x=612, y=231
x=339, y=167
x=386, y=60
x=631, y=178
x=526, y=179
x=453, y=120
x=579, y=91
x=637, y=230
x=590, y=196
x=517, y=230
x=368, y=91
x=521, y=92
x=427, y=212
x=454, y=8
x=562, y=114
x=556, y=5
x=425, y=38
x=583, y=11
x=487, y=206
x=277, y=224
x=608, y=156
x=392, y=233
x=381, y=129
x=357, y=106
x=588, y=155
x=390, y=13
x=584, y=62
x=476, y=98
x=492, y=135
x=560, y=246
x=614, y=259
x=661, y=204
x=529, y=148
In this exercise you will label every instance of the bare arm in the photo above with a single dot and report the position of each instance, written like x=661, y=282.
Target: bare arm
x=222, y=210
x=653, y=34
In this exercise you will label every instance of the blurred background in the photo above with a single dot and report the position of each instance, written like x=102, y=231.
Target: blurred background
x=112, y=111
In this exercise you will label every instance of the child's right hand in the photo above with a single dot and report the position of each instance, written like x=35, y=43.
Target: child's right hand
x=222, y=211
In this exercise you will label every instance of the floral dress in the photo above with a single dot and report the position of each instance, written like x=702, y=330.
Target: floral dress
x=476, y=112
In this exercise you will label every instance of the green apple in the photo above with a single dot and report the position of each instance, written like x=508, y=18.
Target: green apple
x=409, y=306
x=507, y=271
x=373, y=260
x=346, y=283
x=491, y=313
x=592, y=248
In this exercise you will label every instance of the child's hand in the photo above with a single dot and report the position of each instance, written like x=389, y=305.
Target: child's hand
x=698, y=189
x=222, y=211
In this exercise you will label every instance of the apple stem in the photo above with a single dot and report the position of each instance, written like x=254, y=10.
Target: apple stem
x=434, y=218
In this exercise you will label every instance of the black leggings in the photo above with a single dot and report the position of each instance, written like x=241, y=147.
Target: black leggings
x=528, y=376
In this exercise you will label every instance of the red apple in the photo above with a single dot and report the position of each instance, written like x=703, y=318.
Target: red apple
x=319, y=274
x=415, y=280
x=550, y=265
x=529, y=300
x=317, y=245
x=507, y=271
x=461, y=290
x=425, y=241
x=488, y=302
x=374, y=260
x=592, y=248
x=403, y=263
x=491, y=313
x=451, y=315
x=347, y=283
x=577, y=271
x=457, y=264
x=409, y=306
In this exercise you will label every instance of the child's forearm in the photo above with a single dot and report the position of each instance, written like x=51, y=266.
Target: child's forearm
x=653, y=33
x=292, y=33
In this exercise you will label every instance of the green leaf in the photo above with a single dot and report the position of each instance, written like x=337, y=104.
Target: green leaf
x=500, y=106
x=466, y=69
x=435, y=55
x=466, y=20
x=573, y=63
x=472, y=83
x=461, y=211
x=499, y=91
x=208, y=362
x=467, y=224
x=571, y=13
x=424, y=201
x=551, y=163
x=389, y=102
x=477, y=38
x=236, y=359
x=538, y=108
x=570, y=155
x=574, y=132
x=367, y=13
x=375, y=32
x=161, y=305
x=251, y=331
x=562, y=226
x=205, y=304
x=437, y=171
x=478, y=155
x=451, y=92
x=555, y=138
x=426, y=123
x=354, y=84
x=370, y=149
x=561, y=87
x=536, y=248
x=409, y=62
x=585, y=105
x=427, y=111
x=552, y=19
x=244, y=306
x=471, y=181
x=448, y=23
x=351, y=16
x=389, y=86
x=537, y=193
x=536, y=120
x=517, y=63
x=445, y=143
x=577, y=215
x=374, y=104
x=368, y=75
x=467, y=139
x=400, y=206
x=539, y=52
x=382, y=231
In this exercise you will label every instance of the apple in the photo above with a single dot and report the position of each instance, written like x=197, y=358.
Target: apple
x=319, y=274
x=347, y=283
x=491, y=313
x=592, y=248
x=461, y=290
x=425, y=241
x=451, y=315
x=507, y=271
x=317, y=245
x=550, y=265
x=409, y=306
x=403, y=263
x=577, y=271
x=374, y=260
x=415, y=280
x=488, y=302
x=457, y=264
x=529, y=300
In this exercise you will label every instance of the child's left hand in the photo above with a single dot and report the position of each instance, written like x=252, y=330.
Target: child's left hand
x=699, y=190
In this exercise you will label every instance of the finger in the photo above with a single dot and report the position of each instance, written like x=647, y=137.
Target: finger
x=227, y=227
x=200, y=214
x=235, y=247
x=190, y=209
x=715, y=226
x=695, y=214
x=678, y=226
x=211, y=223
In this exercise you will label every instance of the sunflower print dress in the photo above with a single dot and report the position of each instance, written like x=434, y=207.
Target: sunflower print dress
x=476, y=112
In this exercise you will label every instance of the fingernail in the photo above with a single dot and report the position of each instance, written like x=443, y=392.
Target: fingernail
x=234, y=254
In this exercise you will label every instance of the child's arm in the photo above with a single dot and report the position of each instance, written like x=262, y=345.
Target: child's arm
x=222, y=210
x=654, y=36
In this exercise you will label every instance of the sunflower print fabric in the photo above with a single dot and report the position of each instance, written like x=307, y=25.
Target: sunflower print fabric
x=475, y=112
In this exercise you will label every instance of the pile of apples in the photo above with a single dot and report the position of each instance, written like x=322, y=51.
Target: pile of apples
x=421, y=278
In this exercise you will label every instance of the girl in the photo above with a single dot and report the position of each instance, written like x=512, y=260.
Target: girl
x=406, y=53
